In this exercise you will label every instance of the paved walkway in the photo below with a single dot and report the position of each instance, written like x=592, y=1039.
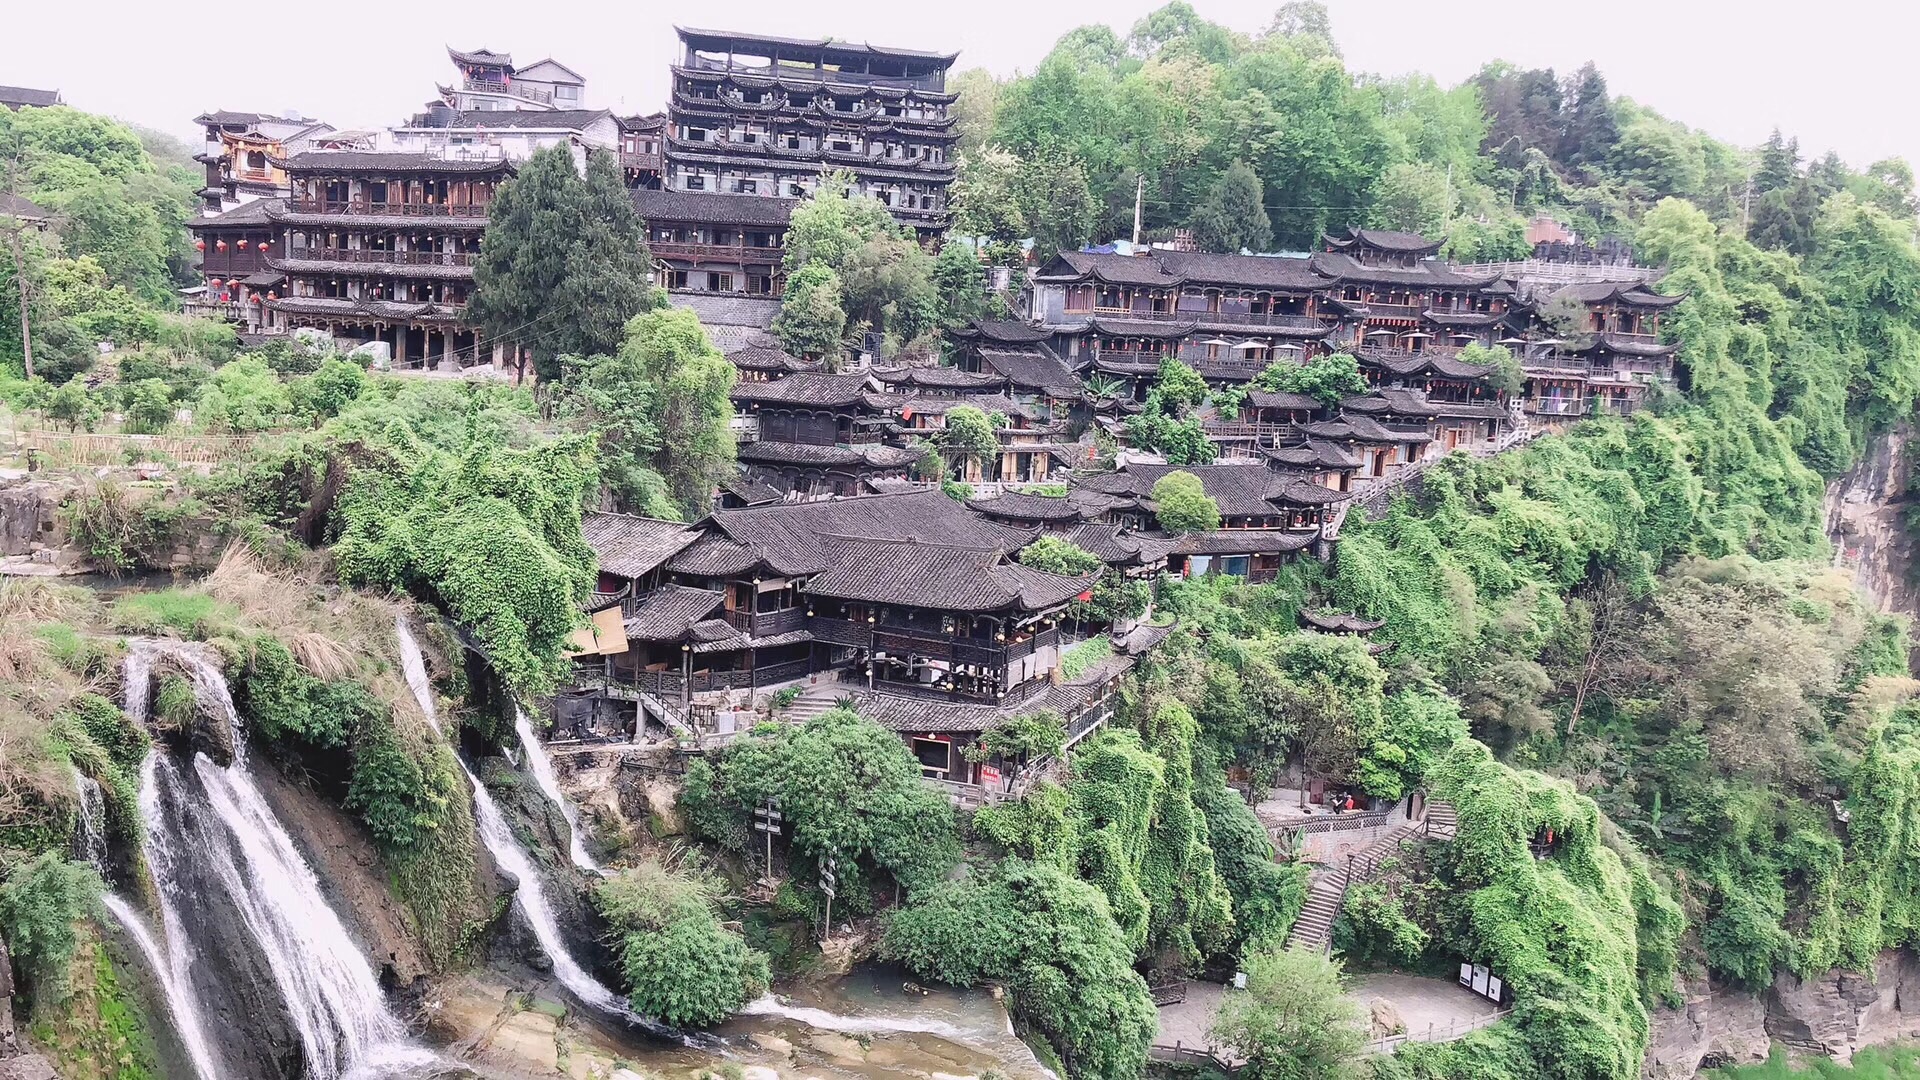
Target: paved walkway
x=1421, y=1002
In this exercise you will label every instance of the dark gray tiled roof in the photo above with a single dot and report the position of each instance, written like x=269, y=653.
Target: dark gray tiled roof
x=713, y=310
x=631, y=546
x=1020, y=506
x=324, y=161
x=1280, y=399
x=18, y=206
x=1242, y=542
x=805, y=388
x=938, y=576
x=1386, y=240
x=667, y=613
x=944, y=378
x=1342, y=623
x=538, y=119
x=1005, y=331
x=18, y=96
x=713, y=207
x=1630, y=293
x=1254, y=271
x=786, y=535
x=252, y=212
x=870, y=455
x=1116, y=546
x=1033, y=367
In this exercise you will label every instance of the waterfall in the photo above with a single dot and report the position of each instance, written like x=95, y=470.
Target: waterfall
x=512, y=860
x=92, y=842
x=542, y=769
x=226, y=830
x=180, y=1000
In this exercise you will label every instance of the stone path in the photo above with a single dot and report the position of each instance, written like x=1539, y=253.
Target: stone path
x=1420, y=1001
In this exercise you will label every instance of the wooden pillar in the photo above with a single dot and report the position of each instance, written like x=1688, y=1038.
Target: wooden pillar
x=399, y=345
x=446, y=349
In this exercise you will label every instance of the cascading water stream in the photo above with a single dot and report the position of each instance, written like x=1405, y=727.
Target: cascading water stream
x=514, y=862
x=227, y=830
x=180, y=1000
x=542, y=768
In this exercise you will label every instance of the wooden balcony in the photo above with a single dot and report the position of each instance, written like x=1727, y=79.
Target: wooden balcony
x=1556, y=406
x=1380, y=309
x=382, y=258
x=641, y=162
x=524, y=93
x=363, y=207
x=727, y=253
x=768, y=623
x=1250, y=318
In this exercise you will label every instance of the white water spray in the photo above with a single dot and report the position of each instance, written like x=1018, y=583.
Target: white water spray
x=180, y=1000
x=513, y=861
x=92, y=847
x=326, y=984
x=542, y=768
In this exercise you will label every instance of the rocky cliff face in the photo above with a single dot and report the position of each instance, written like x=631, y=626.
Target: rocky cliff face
x=1866, y=520
x=1834, y=1015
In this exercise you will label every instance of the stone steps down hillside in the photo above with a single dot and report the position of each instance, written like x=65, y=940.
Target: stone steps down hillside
x=1314, y=928
x=812, y=702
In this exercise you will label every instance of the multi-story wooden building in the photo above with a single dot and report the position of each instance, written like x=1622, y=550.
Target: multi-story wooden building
x=243, y=152
x=706, y=243
x=765, y=117
x=489, y=82
x=235, y=252
x=642, y=140
x=381, y=246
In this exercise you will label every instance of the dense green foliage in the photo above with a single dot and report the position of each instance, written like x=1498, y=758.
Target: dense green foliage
x=1293, y=1022
x=39, y=905
x=661, y=409
x=681, y=965
x=1584, y=935
x=1054, y=942
x=884, y=280
x=489, y=532
x=1181, y=504
x=849, y=789
x=564, y=263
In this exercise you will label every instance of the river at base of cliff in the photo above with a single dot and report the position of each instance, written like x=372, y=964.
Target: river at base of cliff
x=872, y=1024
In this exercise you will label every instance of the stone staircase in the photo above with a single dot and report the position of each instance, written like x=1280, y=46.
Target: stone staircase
x=819, y=698
x=1314, y=928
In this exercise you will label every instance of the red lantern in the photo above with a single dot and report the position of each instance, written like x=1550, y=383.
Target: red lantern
x=243, y=245
x=199, y=245
x=256, y=298
x=220, y=244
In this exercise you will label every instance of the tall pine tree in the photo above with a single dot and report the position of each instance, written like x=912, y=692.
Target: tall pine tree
x=1234, y=213
x=610, y=271
x=564, y=264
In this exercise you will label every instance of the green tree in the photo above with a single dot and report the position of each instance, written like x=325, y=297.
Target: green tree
x=1413, y=197
x=681, y=965
x=969, y=435
x=1057, y=555
x=149, y=407
x=1590, y=131
x=1294, y=1022
x=40, y=904
x=610, y=270
x=960, y=285
x=75, y=405
x=336, y=384
x=1234, y=215
x=244, y=396
x=663, y=409
x=988, y=196
x=812, y=321
x=1328, y=378
x=564, y=264
x=1181, y=504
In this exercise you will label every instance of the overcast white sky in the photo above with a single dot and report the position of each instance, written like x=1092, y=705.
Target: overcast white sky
x=1839, y=74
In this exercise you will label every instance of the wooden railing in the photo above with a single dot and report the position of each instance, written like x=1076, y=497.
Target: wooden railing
x=1248, y=318
x=740, y=252
x=1454, y=1029
x=386, y=209
x=70, y=449
x=768, y=623
x=390, y=258
x=524, y=93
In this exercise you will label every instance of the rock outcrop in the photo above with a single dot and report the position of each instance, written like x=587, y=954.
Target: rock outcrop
x=1833, y=1015
x=1866, y=511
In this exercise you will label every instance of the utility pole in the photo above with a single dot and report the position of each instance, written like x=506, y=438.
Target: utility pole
x=1139, y=197
x=14, y=229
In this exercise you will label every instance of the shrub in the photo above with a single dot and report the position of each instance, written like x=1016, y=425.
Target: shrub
x=691, y=972
x=39, y=904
